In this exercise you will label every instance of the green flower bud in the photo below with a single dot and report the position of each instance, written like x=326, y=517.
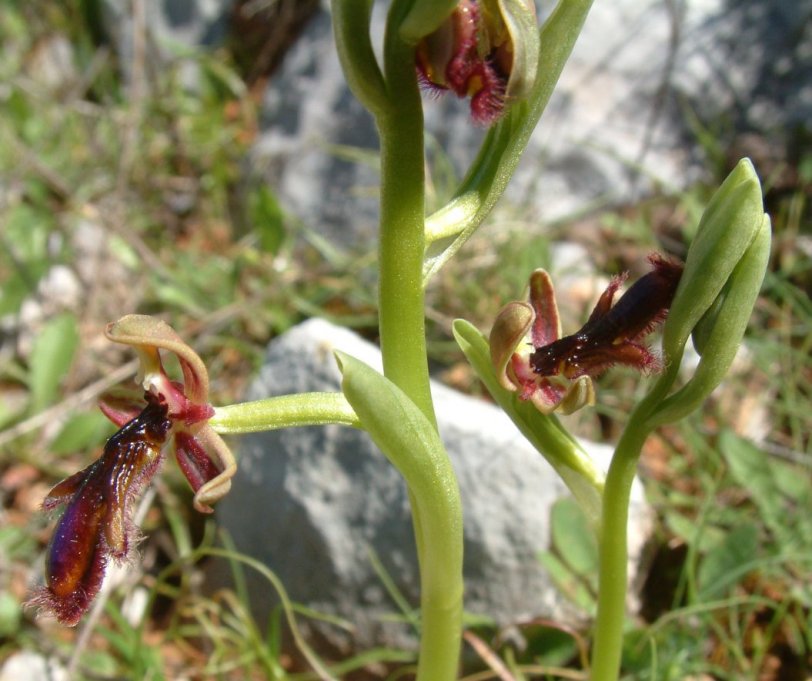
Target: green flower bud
x=723, y=273
x=728, y=227
x=719, y=333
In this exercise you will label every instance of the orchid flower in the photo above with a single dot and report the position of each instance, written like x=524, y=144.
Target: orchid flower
x=96, y=524
x=486, y=50
x=556, y=372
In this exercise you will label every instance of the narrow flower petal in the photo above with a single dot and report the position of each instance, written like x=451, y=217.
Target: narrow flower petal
x=547, y=323
x=214, y=488
x=120, y=410
x=581, y=393
x=194, y=462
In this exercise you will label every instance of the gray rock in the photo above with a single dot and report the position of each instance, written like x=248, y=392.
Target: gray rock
x=615, y=129
x=168, y=28
x=315, y=504
x=31, y=666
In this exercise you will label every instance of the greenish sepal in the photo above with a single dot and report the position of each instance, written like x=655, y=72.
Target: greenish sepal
x=580, y=473
x=519, y=18
x=424, y=17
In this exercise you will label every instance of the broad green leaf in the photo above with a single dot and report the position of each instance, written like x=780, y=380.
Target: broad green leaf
x=725, y=565
x=573, y=538
x=51, y=357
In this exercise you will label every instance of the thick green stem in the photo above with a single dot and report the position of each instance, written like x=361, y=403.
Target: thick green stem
x=399, y=116
x=612, y=542
x=402, y=321
x=403, y=337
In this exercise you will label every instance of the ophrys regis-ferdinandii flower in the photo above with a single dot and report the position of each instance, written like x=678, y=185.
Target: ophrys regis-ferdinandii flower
x=486, y=50
x=96, y=524
x=556, y=372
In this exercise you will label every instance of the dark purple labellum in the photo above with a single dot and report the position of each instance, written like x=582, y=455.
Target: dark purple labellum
x=96, y=523
x=609, y=335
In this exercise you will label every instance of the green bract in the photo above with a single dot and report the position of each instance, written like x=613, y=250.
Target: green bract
x=579, y=472
x=723, y=273
x=728, y=227
x=411, y=443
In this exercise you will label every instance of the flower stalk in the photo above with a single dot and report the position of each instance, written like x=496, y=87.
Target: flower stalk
x=724, y=269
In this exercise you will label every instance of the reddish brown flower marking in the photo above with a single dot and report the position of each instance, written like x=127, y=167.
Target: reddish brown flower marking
x=96, y=524
x=453, y=59
x=611, y=333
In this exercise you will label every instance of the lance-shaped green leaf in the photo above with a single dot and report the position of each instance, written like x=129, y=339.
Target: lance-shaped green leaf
x=411, y=443
x=719, y=333
x=579, y=472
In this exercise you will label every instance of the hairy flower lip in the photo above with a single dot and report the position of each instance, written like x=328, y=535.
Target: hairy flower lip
x=96, y=524
x=611, y=333
x=486, y=50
